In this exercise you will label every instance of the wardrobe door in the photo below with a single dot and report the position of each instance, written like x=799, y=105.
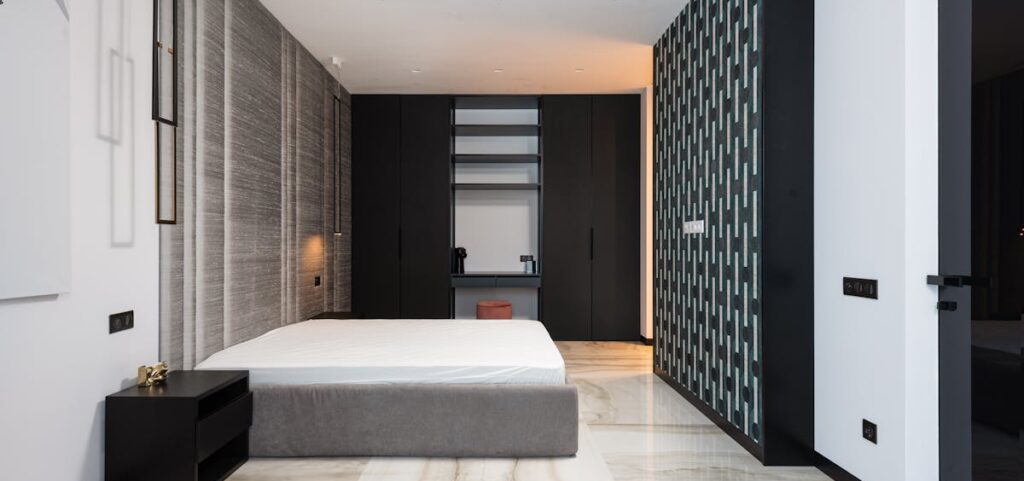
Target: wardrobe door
x=426, y=191
x=565, y=265
x=616, y=217
x=375, y=205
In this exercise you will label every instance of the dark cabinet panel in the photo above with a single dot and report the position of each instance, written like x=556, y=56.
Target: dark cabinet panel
x=376, y=270
x=425, y=212
x=566, y=225
x=616, y=217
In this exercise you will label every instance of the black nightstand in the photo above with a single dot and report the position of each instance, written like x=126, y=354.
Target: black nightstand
x=193, y=427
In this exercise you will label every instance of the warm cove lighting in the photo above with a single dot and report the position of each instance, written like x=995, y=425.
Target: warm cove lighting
x=313, y=254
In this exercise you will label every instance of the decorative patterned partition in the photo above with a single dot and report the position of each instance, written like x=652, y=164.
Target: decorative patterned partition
x=708, y=162
x=256, y=194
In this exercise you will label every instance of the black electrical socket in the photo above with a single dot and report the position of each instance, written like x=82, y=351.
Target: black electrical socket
x=122, y=321
x=870, y=431
x=867, y=288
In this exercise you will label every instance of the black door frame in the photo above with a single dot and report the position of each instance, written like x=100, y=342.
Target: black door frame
x=955, y=30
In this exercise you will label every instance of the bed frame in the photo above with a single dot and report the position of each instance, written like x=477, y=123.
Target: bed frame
x=422, y=420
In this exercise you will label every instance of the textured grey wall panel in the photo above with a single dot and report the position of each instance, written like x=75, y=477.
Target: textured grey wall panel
x=253, y=179
x=209, y=162
x=707, y=166
x=343, y=241
x=309, y=183
x=256, y=194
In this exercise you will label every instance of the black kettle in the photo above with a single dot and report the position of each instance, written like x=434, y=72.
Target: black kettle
x=459, y=260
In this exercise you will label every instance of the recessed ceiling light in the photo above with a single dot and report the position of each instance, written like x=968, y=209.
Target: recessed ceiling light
x=579, y=70
x=416, y=70
x=499, y=70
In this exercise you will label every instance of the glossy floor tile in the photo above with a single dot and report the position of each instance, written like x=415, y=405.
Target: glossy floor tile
x=633, y=426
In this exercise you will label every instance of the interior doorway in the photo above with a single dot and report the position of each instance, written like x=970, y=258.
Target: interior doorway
x=981, y=239
x=997, y=240
x=981, y=210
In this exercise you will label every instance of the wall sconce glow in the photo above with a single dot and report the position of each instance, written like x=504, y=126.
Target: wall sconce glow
x=313, y=256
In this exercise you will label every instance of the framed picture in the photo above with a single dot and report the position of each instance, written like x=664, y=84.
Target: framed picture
x=165, y=72
x=166, y=174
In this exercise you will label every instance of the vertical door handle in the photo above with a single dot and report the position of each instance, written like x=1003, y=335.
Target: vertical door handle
x=591, y=243
x=399, y=243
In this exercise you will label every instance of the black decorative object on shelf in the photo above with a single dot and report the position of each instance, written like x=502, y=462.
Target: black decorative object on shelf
x=459, y=260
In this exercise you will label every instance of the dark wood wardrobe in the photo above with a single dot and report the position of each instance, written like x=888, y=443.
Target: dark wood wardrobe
x=591, y=220
x=400, y=206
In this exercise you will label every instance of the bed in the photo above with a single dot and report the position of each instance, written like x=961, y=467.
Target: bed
x=386, y=387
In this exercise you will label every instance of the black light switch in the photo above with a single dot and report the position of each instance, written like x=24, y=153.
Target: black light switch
x=316, y=281
x=867, y=288
x=870, y=431
x=122, y=321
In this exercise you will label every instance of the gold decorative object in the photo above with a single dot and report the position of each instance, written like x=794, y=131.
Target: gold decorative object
x=150, y=375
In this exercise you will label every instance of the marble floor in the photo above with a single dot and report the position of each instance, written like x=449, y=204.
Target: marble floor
x=633, y=426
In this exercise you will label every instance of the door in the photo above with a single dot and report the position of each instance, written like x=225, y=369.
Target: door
x=425, y=213
x=615, y=216
x=981, y=241
x=376, y=270
x=997, y=296
x=566, y=227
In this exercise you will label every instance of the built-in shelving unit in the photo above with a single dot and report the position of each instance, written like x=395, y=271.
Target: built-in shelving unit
x=510, y=280
x=496, y=186
x=496, y=158
x=496, y=191
x=496, y=130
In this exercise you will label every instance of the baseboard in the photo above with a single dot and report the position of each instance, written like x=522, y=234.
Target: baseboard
x=647, y=341
x=718, y=419
x=831, y=469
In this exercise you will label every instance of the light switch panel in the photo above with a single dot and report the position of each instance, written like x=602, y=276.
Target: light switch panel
x=693, y=227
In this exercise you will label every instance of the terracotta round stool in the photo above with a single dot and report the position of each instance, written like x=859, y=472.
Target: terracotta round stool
x=494, y=310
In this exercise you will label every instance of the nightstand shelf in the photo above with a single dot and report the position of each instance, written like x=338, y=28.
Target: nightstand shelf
x=193, y=427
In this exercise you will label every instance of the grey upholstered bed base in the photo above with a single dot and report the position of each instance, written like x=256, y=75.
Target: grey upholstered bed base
x=429, y=420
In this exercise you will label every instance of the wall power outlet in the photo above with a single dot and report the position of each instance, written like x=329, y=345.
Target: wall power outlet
x=122, y=321
x=870, y=431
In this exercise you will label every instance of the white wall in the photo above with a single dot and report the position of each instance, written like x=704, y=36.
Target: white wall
x=876, y=205
x=58, y=360
x=34, y=203
x=647, y=212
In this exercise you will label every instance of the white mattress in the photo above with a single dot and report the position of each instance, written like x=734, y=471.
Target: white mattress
x=379, y=351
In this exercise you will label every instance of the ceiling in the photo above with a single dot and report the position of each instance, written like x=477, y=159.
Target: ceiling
x=482, y=46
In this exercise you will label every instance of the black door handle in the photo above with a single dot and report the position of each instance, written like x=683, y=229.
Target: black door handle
x=591, y=243
x=949, y=281
x=946, y=306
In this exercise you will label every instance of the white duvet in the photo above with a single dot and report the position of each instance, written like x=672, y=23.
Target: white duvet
x=390, y=351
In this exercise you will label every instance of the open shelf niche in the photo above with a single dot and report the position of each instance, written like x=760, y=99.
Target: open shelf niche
x=496, y=201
